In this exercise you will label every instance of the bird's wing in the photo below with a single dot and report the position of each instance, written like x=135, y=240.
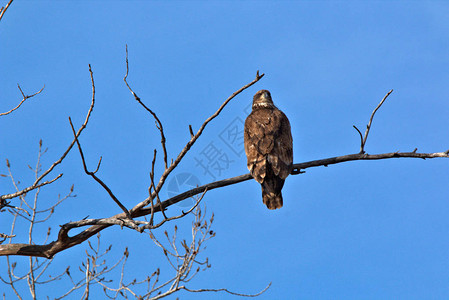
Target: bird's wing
x=281, y=156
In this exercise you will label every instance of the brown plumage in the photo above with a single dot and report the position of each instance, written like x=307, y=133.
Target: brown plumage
x=268, y=147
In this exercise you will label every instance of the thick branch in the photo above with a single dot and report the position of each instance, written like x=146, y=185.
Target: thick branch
x=64, y=241
x=296, y=170
x=140, y=226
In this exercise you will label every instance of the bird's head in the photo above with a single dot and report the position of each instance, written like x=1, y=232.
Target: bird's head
x=262, y=99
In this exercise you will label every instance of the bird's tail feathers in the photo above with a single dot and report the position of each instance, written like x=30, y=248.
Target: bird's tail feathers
x=272, y=200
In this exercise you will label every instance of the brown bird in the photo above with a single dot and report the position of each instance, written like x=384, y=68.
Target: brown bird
x=269, y=147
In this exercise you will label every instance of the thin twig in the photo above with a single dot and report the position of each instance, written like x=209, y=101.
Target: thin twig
x=191, y=131
x=3, y=9
x=158, y=202
x=152, y=186
x=360, y=134
x=158, y=122
x=4, y=236
x=30, y=188
x=83, y=126
x=35, y=268
x=36, y=185
x=368, y=127
x=183, y=214
x=229, y=292
x=183, y=262
x=25, y=97
x=92, y=174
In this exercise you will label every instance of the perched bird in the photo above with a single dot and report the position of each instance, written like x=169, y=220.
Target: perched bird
x=268, y=147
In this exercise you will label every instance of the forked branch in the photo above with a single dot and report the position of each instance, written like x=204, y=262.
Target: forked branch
x=24, y=97
x=95, y=177
x=368, y=127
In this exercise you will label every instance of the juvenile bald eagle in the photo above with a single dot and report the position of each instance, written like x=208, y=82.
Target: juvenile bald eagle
x=269, y=147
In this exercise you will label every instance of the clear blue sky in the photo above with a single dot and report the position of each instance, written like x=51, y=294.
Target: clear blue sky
x=358, y=230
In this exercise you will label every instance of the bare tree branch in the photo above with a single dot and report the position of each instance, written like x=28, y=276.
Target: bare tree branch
x=368, y=127
x=4, y=236
x=227, y=291
x=83, y=126
x=181, y=255
x=152, y=186
x=158, y=122
x=155, y=191
x=183, y=259
x=36, y=184
x=296, y=170
x=64, y=241
x=3, y=9
x=26, y=190
x=25, y=97
x=94, y=270
x=36, y=268
x=92, y=174
x=140, y=226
